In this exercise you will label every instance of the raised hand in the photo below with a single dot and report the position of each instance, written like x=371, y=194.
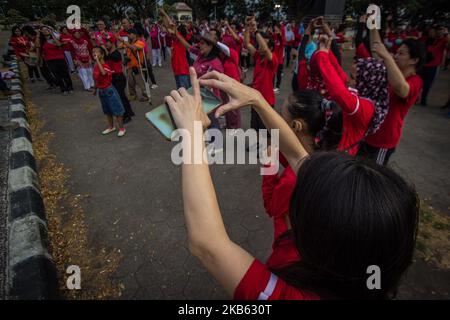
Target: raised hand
x=186, y=108
x=380, y=49
x=239, y=95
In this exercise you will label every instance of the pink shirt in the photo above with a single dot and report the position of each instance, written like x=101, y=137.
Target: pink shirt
x=203, y=65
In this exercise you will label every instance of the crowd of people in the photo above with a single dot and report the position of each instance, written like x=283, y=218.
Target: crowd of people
x=336, y=206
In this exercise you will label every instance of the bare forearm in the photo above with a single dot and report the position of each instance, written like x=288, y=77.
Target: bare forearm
x=396, y=78
x=375, y=36
x=233, y=34
x=183, y=41
x=263, y=45
x=202, y=214
x=247, y=43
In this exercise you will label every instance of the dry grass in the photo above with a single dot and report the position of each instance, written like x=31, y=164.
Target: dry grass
x=68, y=238
x=433, y=241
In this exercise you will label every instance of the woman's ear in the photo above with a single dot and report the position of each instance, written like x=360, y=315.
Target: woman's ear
x=297, y=126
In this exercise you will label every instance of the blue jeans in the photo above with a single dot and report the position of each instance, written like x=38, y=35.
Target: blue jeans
x=183, y=81
x=111, y=103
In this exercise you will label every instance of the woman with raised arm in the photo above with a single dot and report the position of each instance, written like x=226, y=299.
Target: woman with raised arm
x=373, y=223
x=180, y=65
x=266, y=66
x=404, y=89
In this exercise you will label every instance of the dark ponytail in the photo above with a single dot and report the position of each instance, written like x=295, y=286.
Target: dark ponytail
x=310, y=107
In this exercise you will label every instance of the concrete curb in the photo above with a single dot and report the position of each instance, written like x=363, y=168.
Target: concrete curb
x=32, y=273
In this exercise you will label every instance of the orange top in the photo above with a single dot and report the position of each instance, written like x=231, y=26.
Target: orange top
x=134, y=55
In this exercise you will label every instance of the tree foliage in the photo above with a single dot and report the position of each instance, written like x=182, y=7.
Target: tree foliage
x=204, y=9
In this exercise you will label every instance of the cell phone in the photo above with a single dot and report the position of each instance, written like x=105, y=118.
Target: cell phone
x=162, y=120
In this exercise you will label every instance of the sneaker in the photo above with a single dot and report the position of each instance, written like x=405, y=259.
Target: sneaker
x=50, y=88
x=108, y=131
x=39, y=79
x=131, y=97
x=154, y=86
x=276, y=90
x=32, y=80
x=154, y=65
x=121, y=132
x=70, y=91
x=65, y=93
x=143, y=99
x=160, y=65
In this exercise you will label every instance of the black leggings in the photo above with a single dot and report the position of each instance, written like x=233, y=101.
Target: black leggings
x=150, y=73
x=120, y=82
x=245, y=61
x=428, y=75
x=61, y=73
x=48, y=76
x=288, y=56
x=279, y=76
x=33, y=71
x=380, y=155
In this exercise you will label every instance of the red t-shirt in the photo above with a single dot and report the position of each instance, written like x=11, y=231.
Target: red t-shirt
x=437, y=50
x=389, y=134
x=263, y=76
x=52, y=52
x=66, y=38
x=114, y=61
x=259, y=283
x=180, y=64
x=357, y=112
x=231, y=65
x=277, y=191
x=20, y=45
x=102, y=81
x=362, y=52
x=123, y=33
x=232, y=43
x=280, y=43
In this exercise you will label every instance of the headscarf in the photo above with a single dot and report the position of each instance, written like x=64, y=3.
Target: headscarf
x=372, y=83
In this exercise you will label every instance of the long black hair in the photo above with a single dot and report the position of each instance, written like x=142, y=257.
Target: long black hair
x=308, y=106
x=348, y=214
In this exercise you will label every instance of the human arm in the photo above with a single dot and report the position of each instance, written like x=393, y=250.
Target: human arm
x=207, y=237
x=396, y=78
x=239, y=96
x=335, y=85
x=263, y=46
x=249, y=27
x=231, y=31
